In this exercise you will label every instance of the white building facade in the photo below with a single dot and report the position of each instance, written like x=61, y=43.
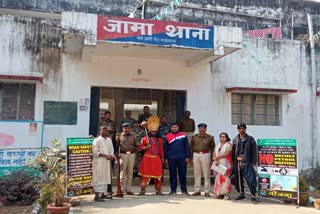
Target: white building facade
x=262, y=82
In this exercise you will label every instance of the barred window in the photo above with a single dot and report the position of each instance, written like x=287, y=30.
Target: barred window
x=17, y=101
x=255, y=109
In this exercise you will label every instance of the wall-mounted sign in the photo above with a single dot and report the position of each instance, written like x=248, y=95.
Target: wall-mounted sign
x=60, y=113
x=84, y=104
x=157, y=33
x=20, y=143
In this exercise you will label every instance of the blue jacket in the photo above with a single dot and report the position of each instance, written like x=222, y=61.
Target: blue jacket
x=176, y=146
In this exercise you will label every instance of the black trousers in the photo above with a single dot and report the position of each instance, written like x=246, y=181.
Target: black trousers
x=247, y=174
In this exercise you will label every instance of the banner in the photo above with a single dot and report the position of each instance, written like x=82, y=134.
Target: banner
x=278, y=168
x=274, y=32
x=20, y=143
x=156, y=33
x=79, y=166
x=16, y=159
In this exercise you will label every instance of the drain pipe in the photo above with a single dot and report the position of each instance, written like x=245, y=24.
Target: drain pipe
x=314, y=142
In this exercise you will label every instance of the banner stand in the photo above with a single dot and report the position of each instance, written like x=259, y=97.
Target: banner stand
x=278, y=176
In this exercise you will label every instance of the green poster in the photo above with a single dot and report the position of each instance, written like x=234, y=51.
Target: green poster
x=79, y=166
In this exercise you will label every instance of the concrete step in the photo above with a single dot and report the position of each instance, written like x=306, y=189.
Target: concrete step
x=165, y=171
x=166, y=180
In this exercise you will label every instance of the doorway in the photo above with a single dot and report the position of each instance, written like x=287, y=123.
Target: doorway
x=117, y=100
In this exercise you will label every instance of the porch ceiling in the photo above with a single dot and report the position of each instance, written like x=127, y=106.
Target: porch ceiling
x=190, y=57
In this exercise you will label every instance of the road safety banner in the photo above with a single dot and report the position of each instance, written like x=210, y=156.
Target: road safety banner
x=79, y=166
x=278, y=168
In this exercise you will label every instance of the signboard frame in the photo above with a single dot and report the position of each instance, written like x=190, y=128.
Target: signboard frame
x=80, y=145
x=155, y=33
x=278, y=160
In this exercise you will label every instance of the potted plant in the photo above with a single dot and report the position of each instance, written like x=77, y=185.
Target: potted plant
x=51, y=164
x=303, y=192
x=316, y=198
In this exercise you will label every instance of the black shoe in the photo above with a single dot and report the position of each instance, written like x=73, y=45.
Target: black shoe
x=240, y=197
x=254, y=200
x=172, y=193
x=159, y=193
x=98, y=199
x=185, y=193
x=196, y=194
x=103, y=196
x=142, y=193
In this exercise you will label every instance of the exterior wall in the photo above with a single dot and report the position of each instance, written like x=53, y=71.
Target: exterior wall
x=318, y=127
x=29, y=47
x=247, y=14
x=78, y=76
x=283, y=65
x=69, y=76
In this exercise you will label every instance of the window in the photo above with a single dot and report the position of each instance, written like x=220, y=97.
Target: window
x=17, y=101
x=255, y=109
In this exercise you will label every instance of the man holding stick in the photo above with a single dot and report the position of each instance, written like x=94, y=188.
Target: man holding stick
x=245, y=159
x=151, y=164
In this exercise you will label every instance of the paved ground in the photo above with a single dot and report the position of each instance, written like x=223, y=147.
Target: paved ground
x=153, y=204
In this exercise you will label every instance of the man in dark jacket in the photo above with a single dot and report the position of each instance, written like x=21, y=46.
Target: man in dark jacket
x=177, y=155
x=245, y=159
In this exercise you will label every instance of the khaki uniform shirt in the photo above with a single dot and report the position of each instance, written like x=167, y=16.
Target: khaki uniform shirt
x=202, y=144
x=127, y=143
x=187, y=125
x=107, y=122
x=126, y=120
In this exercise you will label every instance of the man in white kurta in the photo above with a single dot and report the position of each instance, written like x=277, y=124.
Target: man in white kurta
x=102, y=149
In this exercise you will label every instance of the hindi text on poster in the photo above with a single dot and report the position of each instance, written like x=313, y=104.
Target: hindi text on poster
x=79, y=166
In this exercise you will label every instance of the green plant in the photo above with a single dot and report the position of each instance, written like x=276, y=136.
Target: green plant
x=51, y=164
x=19, y=188
x=303, y=187
x=311, y=176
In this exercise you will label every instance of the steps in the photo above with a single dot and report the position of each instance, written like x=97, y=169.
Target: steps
x=166, y=178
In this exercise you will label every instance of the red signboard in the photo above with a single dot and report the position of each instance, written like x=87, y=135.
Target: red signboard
x=157, y=33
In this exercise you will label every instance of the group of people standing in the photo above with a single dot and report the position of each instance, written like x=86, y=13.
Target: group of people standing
x=151, y=144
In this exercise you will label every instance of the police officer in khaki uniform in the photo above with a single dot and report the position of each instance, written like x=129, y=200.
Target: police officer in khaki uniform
x=201, y=149
x=126, y=142
x=139, y=133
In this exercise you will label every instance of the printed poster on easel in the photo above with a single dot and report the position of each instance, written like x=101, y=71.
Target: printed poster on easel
x=79, y=166
x=278, y=168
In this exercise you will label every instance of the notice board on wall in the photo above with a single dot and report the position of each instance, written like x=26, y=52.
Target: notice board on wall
x=60, y=113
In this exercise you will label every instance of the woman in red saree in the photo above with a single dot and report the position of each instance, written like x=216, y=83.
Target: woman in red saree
x=223, y=156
